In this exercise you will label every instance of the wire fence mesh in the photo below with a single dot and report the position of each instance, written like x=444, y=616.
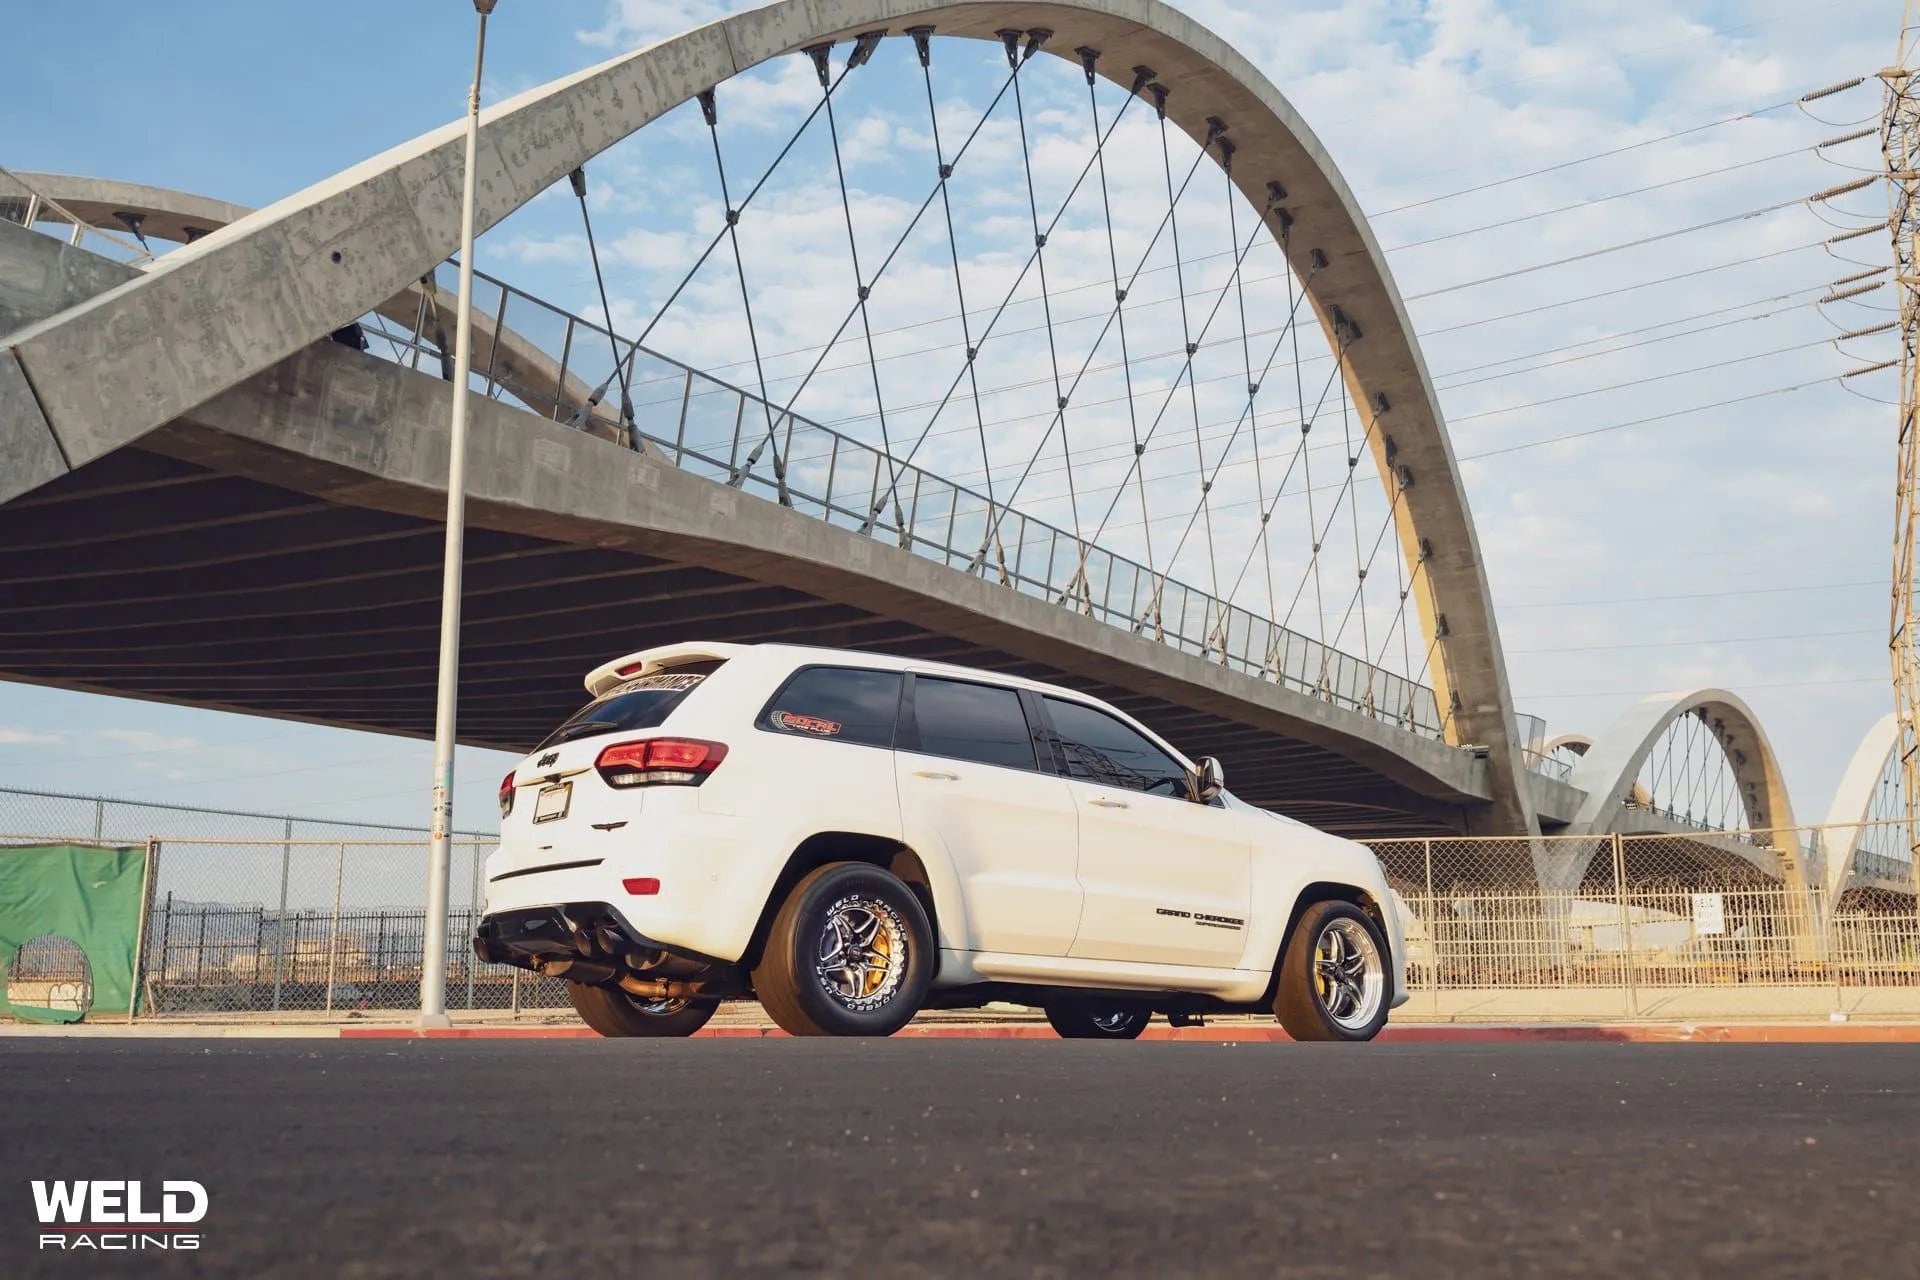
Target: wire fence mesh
x=268, y=915
x=1651, y=914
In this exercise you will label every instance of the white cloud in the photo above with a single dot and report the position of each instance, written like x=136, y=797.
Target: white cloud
x=145, y=740
x=12, y=736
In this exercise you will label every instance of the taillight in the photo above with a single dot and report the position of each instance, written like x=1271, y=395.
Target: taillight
x=506, y=795
x=660, y=762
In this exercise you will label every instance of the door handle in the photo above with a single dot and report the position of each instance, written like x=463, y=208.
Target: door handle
x=1108, y=804
x=934, y=775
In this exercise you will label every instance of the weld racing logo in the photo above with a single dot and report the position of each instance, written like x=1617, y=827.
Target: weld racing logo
x=119, y=1216
x=797, y=723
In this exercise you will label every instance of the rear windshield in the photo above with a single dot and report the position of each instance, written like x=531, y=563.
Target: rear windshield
x=644, y=703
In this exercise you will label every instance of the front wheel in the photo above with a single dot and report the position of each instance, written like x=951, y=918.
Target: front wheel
x=1077, y=1019
x=612, y=1012
x=850, y=954
x=1333, y=976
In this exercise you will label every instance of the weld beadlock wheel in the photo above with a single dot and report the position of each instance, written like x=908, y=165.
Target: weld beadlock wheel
x=850, y=954
x=1093, y=1019
x=1333, y=976
x=612, y=1012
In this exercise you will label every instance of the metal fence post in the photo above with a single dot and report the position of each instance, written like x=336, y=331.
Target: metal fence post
x=333, y=938
x=1432, y=928
x=516, y=992
x=473, y=909
x=99, y=819
x=1626, y=925
x=146, y=910
x=166, y=937
x=280, y=920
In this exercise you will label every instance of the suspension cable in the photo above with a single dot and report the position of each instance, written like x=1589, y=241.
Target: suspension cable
x=1088, y=58
x=1011, y=39
x=923, y=47
x=578, y=179
x=709, y=109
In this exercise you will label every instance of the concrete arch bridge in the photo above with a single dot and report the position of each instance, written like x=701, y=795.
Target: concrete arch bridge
x=1093, y=370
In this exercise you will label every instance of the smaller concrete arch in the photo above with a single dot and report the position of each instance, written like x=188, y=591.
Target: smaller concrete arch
x=1609, y=770
x=1858, y=800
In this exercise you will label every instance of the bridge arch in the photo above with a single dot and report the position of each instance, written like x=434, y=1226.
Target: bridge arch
x=421, y=316
x=1864, y=842
x=234, y=303
x=1610, y=770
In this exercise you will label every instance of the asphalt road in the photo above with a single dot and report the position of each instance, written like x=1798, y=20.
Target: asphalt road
x=881, y=1159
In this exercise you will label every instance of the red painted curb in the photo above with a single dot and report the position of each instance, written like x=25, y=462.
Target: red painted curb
x=1653, y=1033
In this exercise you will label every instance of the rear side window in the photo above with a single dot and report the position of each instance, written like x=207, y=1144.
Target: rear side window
x=1102, y=749
x=972, y=722
x=840, y=704
x=644, y=703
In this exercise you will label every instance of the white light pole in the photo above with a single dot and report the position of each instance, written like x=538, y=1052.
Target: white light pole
x=433, y=967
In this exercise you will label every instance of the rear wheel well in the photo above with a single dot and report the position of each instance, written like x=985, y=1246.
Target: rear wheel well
x=1327, y=891
x=823, y=847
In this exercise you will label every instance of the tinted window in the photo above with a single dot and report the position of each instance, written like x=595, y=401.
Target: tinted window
x=837, y=703
x=972, y=722
x=638, y=704
x=1102, y=749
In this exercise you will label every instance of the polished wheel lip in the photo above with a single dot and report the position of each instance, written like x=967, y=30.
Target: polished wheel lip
x=862, y=953
x=1114, y=1021
x=663, y=1008
x=1349, y=974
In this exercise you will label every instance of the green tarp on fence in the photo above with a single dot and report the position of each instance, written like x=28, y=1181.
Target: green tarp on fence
x=89, y=895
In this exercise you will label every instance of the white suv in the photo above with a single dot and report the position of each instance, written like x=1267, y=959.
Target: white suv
x=851, y=838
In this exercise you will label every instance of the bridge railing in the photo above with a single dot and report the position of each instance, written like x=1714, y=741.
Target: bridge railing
x=708, y=426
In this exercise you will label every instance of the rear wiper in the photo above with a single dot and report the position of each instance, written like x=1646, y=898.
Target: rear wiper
x=582, y=729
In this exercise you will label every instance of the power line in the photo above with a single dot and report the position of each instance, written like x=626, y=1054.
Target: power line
x=1587, y=204
x=1679, y=644
x=1673, y=278
x=1203, y=258
x=1698, y=595
x=1615, y=151
x=1095, y=455
x=1116, y=451
x=1640, y=422
x=1604, y=250
x=1636, y=382
x=1641, y=693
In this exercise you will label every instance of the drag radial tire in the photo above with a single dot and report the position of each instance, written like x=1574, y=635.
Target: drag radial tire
x=1333, y=976
x=850, y=953
x=612, y=1012
x=1076, y=1019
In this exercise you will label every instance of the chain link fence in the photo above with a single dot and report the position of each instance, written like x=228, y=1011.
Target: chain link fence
x=265, y=913
x=268, y=915
x=1707, y=921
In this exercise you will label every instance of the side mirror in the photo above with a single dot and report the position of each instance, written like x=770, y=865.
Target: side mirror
x=1208, y=780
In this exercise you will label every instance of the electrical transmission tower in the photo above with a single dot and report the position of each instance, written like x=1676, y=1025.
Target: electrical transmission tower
x=1900, y=142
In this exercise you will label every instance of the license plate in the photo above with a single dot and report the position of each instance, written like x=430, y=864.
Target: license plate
x=552, y=803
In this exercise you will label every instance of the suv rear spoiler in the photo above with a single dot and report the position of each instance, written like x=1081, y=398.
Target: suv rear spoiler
x=649, y=661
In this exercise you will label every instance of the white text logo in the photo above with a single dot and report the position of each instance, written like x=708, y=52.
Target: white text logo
x=105, y=1214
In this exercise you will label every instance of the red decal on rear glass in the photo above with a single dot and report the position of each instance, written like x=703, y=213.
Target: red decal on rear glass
x=805, y=724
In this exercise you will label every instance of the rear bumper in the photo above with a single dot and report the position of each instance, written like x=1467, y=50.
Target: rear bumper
x=530, y=936
x=706, y=893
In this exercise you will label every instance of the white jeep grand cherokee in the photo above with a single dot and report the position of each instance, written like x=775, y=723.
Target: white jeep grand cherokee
x=851, y=838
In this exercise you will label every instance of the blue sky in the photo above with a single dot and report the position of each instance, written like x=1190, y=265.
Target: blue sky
x=249, y=102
